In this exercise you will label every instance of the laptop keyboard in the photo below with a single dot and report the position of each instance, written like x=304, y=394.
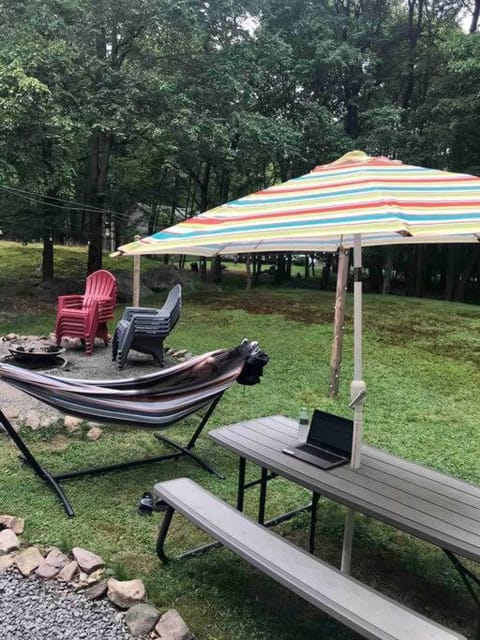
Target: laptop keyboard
x=318, y=451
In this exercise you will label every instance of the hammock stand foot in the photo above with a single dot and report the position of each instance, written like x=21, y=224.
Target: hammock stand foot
x=41, y=472
x=54, y=479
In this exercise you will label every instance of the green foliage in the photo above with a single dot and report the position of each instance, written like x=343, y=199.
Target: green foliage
x=179, y=106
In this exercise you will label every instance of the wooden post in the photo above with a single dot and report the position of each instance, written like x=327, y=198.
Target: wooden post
x=136, y=279
x=337, y=345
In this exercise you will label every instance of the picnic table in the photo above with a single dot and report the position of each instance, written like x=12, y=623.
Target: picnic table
x=430, y=505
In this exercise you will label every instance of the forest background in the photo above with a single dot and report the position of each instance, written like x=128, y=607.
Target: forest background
x=112, y=111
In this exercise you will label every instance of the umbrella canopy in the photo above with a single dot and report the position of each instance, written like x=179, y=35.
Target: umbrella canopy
x=386, y=201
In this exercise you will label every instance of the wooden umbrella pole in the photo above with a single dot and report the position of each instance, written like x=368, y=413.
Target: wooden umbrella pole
x=337, y=345
x=248, y=268
x=136, y=279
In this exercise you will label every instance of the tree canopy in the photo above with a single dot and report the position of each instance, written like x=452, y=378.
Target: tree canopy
x=176, y=106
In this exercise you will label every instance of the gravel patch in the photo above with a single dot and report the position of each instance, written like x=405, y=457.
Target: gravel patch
x=33, y=608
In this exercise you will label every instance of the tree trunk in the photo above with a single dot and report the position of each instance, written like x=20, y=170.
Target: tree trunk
x=410, y=269
x=388, y=268
x=100, y=145
x=203, y=269
x=475, y=17
x=419, y=272
x=99, y=151
x=307, y=267
x=280, y=271
x=216, y=269
x=47, y=255
x=414, y=31
x=450, y=279
x=204, y=186
x=248, y=268
x=466, y=274
x=257, y=269
x=288, y=266
x=327, y=267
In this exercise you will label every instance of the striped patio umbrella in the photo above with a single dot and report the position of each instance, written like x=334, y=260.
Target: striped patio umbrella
x=356, y=200
x=384, y=200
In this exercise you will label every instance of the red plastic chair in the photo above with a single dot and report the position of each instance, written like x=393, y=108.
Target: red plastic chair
x=85, y=316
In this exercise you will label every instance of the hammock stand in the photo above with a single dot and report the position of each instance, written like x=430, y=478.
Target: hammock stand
x=155, y=401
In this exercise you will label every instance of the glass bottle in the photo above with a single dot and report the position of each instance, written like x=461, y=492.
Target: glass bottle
x=303, y=425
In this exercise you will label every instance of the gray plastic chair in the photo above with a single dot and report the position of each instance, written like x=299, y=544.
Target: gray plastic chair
x=144, y=328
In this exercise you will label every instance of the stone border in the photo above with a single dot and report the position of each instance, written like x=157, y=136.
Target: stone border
x=84, y=571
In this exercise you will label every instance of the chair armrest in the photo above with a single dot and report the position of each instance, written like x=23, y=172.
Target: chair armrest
x=129, y=312
x=73, y=301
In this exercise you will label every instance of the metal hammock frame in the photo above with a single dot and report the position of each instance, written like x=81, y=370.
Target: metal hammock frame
x=153, y=401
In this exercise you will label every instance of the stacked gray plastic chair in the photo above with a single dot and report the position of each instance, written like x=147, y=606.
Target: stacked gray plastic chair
x=144, y=329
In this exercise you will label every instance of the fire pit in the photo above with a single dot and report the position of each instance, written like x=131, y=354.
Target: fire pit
x=36, y=357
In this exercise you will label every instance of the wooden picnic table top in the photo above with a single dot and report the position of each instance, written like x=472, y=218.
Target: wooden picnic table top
x=413, y=498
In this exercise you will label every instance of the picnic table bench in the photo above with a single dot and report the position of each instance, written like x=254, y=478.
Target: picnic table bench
x=359, y=607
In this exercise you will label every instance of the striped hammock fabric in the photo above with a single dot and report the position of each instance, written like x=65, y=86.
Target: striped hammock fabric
x=384, y=200
x=156, y=400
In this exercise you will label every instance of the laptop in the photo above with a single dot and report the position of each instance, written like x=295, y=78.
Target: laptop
x=329, y=441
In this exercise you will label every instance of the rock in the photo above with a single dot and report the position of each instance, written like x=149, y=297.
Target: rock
x=6, y=561
x=96, y=576
x=11, y=336
x=141, y=619
x=97, y=590
x=91, y=424
x=81, y=581
x=32, y=419
x=163, y=277
x=171, y=626
x=27, y=561
x=12, y=412
x=94, y=433
x=125, y=287
x=49, y=291
x=17, y=525
x=68, y=572
x=46, y=570
x=57, y=558
x=126, y=593
x=87, y=561
x=8, y=541
x=85, y=580
x=179, y=354
x=72, y=424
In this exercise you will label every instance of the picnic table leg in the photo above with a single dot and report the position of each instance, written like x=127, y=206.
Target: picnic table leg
x=241, y=483
x=347, y=541
x=162, y=534
x=263, y=496
x=313, y=521
x=468, y=578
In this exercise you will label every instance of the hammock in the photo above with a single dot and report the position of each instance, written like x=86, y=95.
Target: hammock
x=154, y=401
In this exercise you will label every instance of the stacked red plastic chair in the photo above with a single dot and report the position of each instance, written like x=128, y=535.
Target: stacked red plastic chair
x=85, y=315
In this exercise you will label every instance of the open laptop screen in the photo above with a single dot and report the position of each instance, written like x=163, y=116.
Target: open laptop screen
x=331, y=432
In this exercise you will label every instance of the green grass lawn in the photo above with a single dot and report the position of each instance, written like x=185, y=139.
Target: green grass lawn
x=421, y=360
